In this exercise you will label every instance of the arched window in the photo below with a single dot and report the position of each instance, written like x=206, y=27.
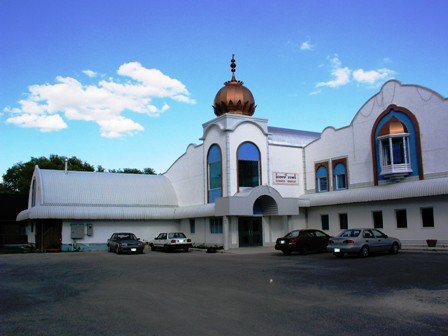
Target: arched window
x=248, y=166
x=339, y=176
x=214, y=173
x=322, y=178
x=396, y=143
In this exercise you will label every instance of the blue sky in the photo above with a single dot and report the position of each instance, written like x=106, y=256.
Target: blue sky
x=128, y=84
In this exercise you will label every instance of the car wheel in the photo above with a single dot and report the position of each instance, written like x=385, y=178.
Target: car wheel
x=153, y=248
x=394, y=248
x=185, y=249
x=109, y=249
x=117, y=250
x=364, y=252
x=167, y=248
x=339, y=254
x=287, y=252
x=303, y=250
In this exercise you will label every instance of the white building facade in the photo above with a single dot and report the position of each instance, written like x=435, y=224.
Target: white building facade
x=247, y=183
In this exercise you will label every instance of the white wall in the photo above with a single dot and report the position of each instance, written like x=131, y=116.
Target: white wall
x=102, y=230
x=360, y=215
x=187, y=177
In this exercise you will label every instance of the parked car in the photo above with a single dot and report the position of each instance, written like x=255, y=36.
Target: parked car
x=303, y=241
x=363, y=241
x=169, y=241
x=124, y=242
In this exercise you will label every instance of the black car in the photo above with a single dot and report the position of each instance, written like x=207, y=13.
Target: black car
x=124, y=242
x=303, y=241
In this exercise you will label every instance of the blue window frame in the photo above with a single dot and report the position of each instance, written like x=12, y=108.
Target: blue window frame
x=322, y=179
x=396, y=144
x=248, y=166
x=214, y=163
x=339, y=176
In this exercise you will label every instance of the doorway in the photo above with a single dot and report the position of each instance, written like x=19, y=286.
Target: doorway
x=250, y=231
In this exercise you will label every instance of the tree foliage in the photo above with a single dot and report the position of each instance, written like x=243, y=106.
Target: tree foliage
x=17, y=179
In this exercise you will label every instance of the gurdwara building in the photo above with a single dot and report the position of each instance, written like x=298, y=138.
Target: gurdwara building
x=247, y=183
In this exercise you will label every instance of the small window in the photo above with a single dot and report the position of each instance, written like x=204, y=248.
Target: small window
x=216, y=225
x=402, y=221
x=192, y=226
x=343, y=221
x=322, y=179
x=339, y=175
x=325, y=222
x=377, y=219
x=427, y=217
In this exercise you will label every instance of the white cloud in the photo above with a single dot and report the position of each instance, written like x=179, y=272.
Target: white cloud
x=90, y=73
x=48, y=105
x=343, y=75
x=306, y=45
x=372, y=77
x=44, y=123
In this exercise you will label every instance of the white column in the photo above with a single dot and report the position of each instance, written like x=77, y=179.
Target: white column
x=226, y=232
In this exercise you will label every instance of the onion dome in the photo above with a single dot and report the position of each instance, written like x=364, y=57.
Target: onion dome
x=234, y=97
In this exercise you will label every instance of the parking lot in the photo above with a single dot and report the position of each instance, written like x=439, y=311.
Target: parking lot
x=197, y=293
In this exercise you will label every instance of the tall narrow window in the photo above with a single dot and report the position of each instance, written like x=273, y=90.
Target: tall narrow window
x=343, y=221
x=322, y=178
x=248, y=166
x=214, y=173
x=192, y=225
x=33, y=193
x=325, y=222
x=427, y=217
x=402, y=221
x=339, y=176
x=377, y=219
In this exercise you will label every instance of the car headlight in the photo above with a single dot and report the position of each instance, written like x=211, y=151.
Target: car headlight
x=123, y=244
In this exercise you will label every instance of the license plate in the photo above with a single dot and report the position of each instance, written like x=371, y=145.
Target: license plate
x=181, y=240
x=133, y=249
x=337, y=250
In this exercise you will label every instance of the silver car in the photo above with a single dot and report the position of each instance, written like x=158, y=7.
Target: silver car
x=362, y=241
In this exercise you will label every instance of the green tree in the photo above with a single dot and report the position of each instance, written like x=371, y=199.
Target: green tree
x=18, y=178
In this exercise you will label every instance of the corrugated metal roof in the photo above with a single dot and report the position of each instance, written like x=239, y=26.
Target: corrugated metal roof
x=116, y=212
x=402, y=190
x=290, y=137
x=105, y=189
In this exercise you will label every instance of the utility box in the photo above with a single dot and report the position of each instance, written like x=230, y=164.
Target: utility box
x=89, y=229
x=77, y=231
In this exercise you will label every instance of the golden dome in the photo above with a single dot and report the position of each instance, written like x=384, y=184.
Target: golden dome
x=234, y=97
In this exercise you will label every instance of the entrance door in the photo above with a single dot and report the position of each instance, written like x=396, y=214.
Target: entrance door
x=250, y=232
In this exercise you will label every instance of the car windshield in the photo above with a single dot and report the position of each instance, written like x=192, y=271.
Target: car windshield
x=126, y=236
x=350, y=233
x=176, y=235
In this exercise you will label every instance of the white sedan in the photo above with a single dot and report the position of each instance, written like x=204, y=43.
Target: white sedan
x=362, y=241
x=169, y=241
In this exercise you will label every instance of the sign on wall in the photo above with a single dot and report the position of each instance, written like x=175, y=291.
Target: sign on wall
x=286, y=178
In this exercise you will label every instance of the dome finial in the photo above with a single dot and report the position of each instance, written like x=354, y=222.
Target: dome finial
x=233, y=66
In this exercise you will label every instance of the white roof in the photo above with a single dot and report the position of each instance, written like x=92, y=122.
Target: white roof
x=93, y=195
x=423, y=188
x=290, y=137
x=103, y=189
